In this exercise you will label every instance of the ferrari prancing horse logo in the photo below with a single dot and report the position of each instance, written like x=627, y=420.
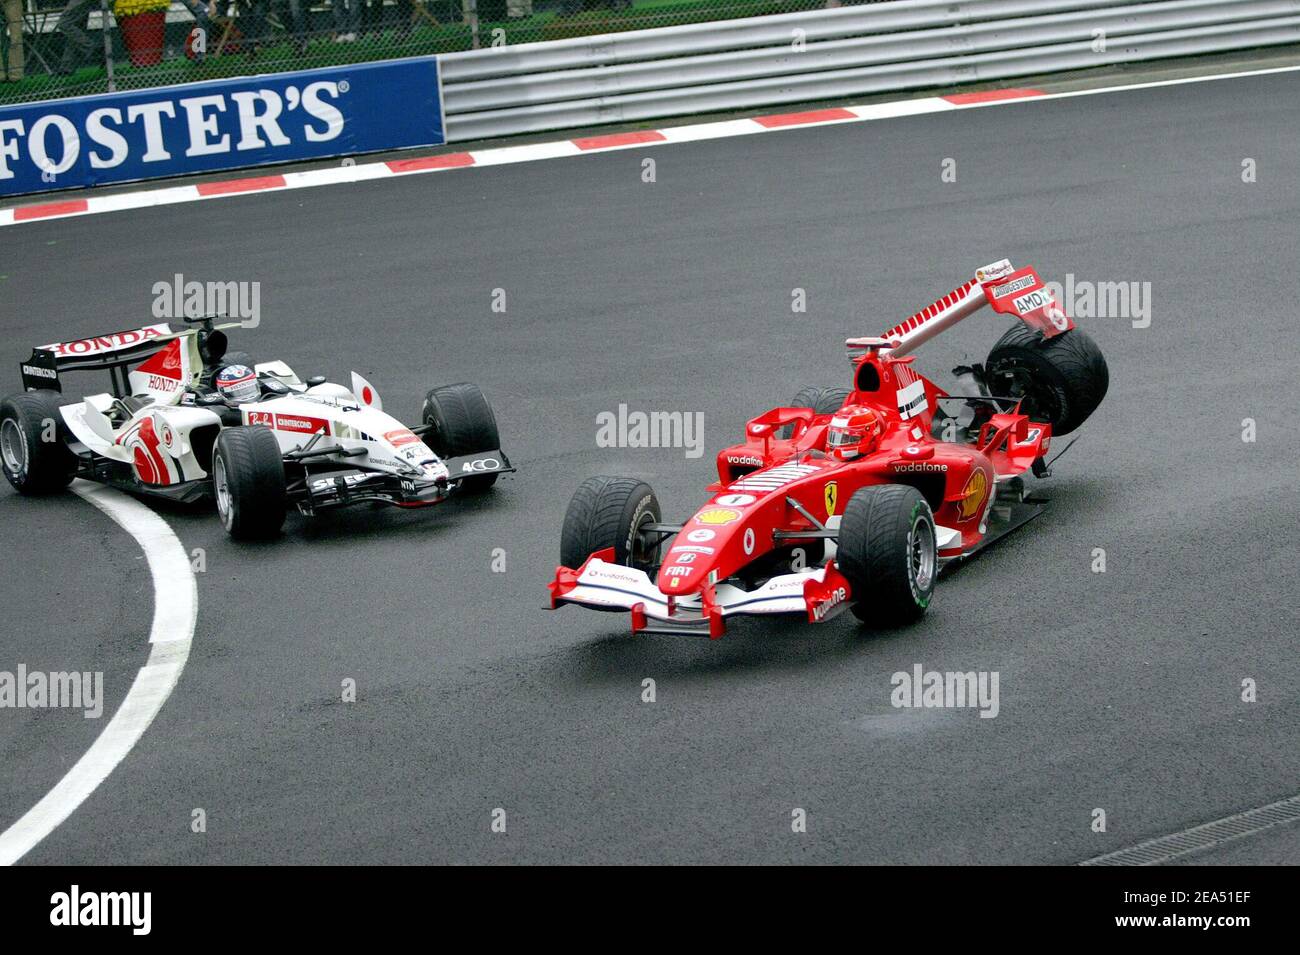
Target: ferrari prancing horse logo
x=832, y=491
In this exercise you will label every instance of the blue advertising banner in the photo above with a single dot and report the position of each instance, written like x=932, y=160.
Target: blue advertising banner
x=219, y=124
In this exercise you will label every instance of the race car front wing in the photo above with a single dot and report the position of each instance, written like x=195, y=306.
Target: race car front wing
x=601, y=584
x=340, y=487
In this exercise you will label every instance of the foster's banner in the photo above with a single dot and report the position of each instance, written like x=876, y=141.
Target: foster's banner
x=219, y=124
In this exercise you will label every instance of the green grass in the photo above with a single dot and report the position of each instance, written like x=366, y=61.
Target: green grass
x=425, y=39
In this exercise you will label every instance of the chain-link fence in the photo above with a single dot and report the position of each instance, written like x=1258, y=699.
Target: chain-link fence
x=52, y=49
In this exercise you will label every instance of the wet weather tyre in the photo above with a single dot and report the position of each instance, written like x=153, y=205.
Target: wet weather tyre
x=238, y=358
x=462, y=423
x=820, y=400
x=248, y=482
x=607, y=512
x=1061, y=379
x=33, y=443
x=887, y=552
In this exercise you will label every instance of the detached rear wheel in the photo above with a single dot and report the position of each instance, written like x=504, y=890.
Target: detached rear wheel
x=248, y=482
x=611, y=512
x=33, y=450
x=888, y=553
x=1060, y=380
x=462, y=423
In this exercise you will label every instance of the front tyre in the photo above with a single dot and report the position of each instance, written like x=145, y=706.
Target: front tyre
x=888, y=554
x=1060, y=380
x=612, y=512
x=461, y=423
x=248, y=482
x=33, y=452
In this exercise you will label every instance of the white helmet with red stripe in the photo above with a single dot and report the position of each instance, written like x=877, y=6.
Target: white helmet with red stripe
x=237, y=384
x=855, y=430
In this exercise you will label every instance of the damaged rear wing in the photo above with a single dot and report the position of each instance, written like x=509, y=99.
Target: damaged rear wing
x=102, y=352
x=1018, y=292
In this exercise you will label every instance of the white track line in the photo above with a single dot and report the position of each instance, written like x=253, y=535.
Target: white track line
x=65, y=205
x=175, y=608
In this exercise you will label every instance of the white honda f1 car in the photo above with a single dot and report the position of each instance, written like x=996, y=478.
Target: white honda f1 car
x=192, y=420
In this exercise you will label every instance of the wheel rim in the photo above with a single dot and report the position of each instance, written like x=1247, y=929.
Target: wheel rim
x=222, y=488
x=644, y=554
x=920, y=552
x=13, y=446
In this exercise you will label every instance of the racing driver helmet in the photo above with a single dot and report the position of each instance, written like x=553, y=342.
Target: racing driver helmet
x=855, y=430
x=237, y=384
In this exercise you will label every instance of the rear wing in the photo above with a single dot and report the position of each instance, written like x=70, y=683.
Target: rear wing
x=1010, y=291
x=115, y=350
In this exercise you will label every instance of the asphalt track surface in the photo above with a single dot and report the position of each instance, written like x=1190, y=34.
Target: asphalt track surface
x=1119, y=690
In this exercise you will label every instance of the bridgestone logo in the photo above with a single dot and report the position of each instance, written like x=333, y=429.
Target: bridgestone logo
x=35, y=371
x=1011, y=288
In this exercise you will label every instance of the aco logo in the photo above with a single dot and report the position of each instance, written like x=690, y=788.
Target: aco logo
x=973, y=494
x=717, y=516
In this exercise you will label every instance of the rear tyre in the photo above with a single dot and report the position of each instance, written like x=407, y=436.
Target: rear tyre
x=1061, y=380
x=461, y=423
x=820, y=400
x=33, y=443
x=248, y=481
x=609, y=512
x=237, y=358
x=888, y=554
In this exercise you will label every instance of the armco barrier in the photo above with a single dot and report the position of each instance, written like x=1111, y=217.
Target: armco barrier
x=846, y=51
x=219, y=124
x=587, y=81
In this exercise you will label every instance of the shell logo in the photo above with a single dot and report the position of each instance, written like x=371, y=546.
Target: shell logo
x=717, y=516
x=973, y=494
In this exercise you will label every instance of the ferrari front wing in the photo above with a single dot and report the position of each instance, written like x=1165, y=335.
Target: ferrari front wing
x=601, y=584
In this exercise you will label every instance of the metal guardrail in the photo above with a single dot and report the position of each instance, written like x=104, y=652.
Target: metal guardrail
x=825, y=54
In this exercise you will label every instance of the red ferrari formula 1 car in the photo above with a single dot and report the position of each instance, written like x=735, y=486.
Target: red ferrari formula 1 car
x=849, y=498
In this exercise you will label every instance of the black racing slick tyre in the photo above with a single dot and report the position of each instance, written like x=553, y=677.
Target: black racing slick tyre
x=461, y=423
x=609, y=512
x=248, y=482
x=238, y=358
x=33, y=443
x=888, y=554
x=1061, y=380
x=820, y=400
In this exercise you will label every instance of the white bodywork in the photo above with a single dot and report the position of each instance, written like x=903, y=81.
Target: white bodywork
x=169, y=440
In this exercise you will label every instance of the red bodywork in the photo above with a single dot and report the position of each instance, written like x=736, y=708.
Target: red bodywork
x=765, y=481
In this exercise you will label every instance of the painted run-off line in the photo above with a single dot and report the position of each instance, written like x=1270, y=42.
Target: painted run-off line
x=175, y=609
x=1209, y=835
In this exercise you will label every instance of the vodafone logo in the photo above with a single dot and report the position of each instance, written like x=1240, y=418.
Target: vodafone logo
x=836, y=598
